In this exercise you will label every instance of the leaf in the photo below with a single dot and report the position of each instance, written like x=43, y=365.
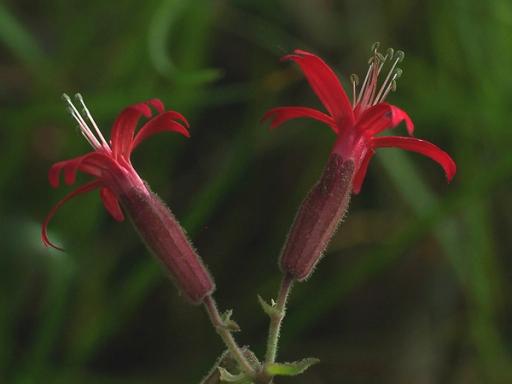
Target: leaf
x=228, y=364
x=290, y=369
x=230, y=324
x=270, y=310
x=226, y=377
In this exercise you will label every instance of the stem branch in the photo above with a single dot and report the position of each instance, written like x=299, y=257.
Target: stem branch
x=277, y=319
x=227, y=337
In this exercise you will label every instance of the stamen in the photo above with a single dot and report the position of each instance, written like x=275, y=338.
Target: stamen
x=79, y=126
x=389, y=54
x=354, y=79
x=361, y=91
x=367, y=99
x=373, y=61
x=89, y=116
x=84, y=128
x=391, y=86
x=398, y=58
x=369, y=94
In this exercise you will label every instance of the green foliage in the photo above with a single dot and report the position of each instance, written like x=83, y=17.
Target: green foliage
x=291, y=369
x=413, y=288
x=269, y=309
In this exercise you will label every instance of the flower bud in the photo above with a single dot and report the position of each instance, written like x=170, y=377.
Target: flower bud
x=317, y=219
x=165, y=237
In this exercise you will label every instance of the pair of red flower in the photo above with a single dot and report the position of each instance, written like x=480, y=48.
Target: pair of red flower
x=355, y=123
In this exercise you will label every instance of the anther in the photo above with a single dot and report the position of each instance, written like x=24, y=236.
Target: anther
x=399, y=56
x=391, y=88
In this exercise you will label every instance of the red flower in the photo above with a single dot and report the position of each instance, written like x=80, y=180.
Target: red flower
x=113, y=174
x=357, y=123
x=109, y=163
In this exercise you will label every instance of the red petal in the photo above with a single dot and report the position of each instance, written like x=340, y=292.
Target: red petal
x=282, y=114
x=357, y=183
x=381, y=117
x=325, y=84
x=55, y=170
x=70, y=167
x=124, y=128
x=157, y=104
x=420, y=146
x=80, y=190
x=160, y=123
x=91, y=163
x=111, y=204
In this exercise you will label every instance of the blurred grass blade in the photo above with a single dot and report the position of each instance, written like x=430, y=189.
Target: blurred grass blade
x=14, y=35
x=470, y=256
x=163, y=22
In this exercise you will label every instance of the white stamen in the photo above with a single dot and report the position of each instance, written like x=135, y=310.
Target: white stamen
x=369, y=92
x=389, y=53
x=368, y=95
x=361, y=91
x=391, y=86
x=82, y=124
x=384, y=84
x=89, y=116
x=355, y=81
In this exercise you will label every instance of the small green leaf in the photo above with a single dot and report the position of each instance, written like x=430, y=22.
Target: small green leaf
x=290, y=369
x=226, y=377
x=267, y=308
x=230, y=324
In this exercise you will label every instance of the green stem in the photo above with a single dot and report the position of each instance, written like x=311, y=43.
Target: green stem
x=276, y=319
x=227, y=337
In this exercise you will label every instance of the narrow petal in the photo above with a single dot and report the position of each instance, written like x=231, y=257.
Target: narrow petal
x=381, y=117
x=93, y=164
x=124, y=128
x=111, y=204
x=280, y=115
x=325, y=84
x=420, y=146
x=360, y=175
x=157, y=104
x=56, y=169
x=80, y=190
x=161, y=123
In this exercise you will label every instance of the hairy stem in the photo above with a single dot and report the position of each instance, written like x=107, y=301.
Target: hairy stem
x=226, y=336
x=276, y=319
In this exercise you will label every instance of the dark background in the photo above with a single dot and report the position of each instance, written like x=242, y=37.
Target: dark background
x=414, y=287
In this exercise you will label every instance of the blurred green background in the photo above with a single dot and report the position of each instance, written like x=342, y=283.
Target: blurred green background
x=415, y=286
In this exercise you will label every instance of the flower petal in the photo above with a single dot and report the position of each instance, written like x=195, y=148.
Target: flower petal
x=420, y=146
x=93, y=163
x=381, y=117
x=360, y=175
x=325, y=84
x=80, y=190
x=111, y=204
x=124, y=128
x=282, y=114
x=157, y=104
x=55, y=170
x=161, y=123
